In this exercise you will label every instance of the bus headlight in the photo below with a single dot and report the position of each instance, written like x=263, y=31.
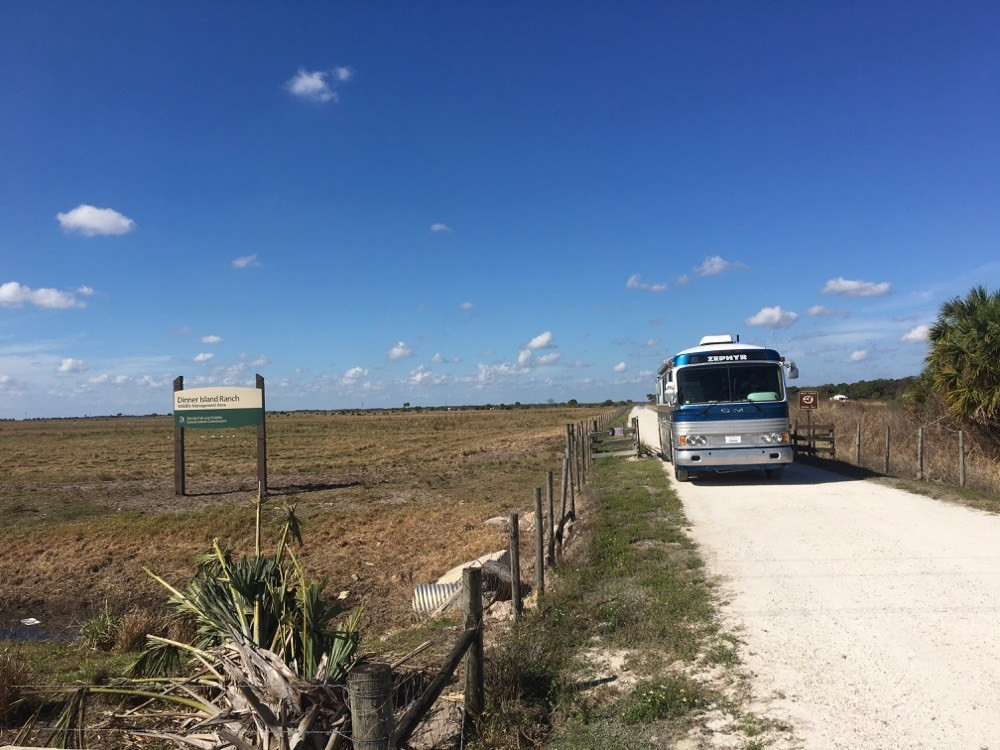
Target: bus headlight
x=693, y=440
x=774, y=437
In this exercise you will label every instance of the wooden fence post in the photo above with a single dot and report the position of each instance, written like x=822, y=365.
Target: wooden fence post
x=857, y=445
x=178, y=446
x=572, y=493
x=369, y=687
x=885, y=469
x=565, y=490
x=920, y=453
x=539, y=545
x=515, y=565
x=552, y=517
x=475, y=692
x=961, y=458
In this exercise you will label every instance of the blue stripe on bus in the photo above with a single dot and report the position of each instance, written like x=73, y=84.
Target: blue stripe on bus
x=722, y=412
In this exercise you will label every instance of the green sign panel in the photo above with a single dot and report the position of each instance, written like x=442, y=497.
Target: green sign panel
x=218, y=408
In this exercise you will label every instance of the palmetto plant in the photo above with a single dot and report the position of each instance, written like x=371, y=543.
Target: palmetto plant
x=964, y=357
x=265, y=669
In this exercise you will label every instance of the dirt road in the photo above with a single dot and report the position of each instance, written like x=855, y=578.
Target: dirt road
x=870, y=615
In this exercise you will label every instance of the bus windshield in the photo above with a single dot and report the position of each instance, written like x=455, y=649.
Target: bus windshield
x=714, y=384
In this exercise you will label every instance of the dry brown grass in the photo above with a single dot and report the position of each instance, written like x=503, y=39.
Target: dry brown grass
x=13, y=675
x=387, y=500
x=940, y=442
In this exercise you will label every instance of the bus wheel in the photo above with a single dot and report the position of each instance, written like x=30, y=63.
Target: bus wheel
x=681, y=475
x=774, y=474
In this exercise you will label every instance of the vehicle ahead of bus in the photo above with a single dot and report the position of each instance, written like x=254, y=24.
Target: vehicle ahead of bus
x=722, y=406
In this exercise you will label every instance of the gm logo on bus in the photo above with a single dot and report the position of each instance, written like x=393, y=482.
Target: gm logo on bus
x=726, y=357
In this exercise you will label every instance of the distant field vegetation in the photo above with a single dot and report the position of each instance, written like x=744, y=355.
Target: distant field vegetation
x=387, y=499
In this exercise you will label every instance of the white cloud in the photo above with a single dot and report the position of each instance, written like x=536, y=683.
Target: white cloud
x=419, y=373
x=652, y=342
x=211, y=339
x=441, y=359
x=315, y=85
x=72, y=365
x=245, y=261
x=439, y=227
x=343, y=73
x=716, y=264
x=13, y=294
x=99, y=379
x=858, y=355
x=541, y=341
x=437, y=358
x=548, y=359
x=204, y=357
x=683, y=279
x=635, y=282
x=90, y=221
x=85, y=291
x=620, y=367
x=917, y=335
x=855, y=288
x=772, y=317
x=400, y=351
x=524, y=356
x=818, y=311
x=353, y=375
x=467, y=305
x=260, y=360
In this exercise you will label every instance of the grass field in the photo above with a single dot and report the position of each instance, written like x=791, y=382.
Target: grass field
x=387, y=500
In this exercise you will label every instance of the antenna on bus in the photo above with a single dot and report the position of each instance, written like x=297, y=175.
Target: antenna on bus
x=737, y=338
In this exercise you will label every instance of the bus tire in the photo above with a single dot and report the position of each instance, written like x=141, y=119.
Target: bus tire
x=681, y=475
x=774, y=474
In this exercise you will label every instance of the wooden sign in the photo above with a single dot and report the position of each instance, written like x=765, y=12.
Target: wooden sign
x=808, y=400
x=218, y=408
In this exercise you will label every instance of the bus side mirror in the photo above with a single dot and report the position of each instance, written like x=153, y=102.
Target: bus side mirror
x=670, y=394
x=793, y=371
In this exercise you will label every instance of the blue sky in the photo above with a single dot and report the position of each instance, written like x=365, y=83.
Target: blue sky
x=480, y=202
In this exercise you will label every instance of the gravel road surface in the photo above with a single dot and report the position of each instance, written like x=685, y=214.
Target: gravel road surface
x=871, y=616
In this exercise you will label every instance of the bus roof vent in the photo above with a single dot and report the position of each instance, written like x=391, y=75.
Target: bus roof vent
x=724, y=338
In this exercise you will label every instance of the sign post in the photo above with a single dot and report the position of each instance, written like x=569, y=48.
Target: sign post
x=178, y=444
x=218, y=408
x=808, y=402
x=261, y=442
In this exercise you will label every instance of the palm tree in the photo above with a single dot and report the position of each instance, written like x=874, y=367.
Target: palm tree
x=964, y=357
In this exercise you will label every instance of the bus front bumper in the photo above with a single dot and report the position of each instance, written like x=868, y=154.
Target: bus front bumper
x=732, y=459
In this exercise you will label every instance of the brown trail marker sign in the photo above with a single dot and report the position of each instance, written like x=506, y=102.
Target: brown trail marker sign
x=218, y=408
x=808, y=402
